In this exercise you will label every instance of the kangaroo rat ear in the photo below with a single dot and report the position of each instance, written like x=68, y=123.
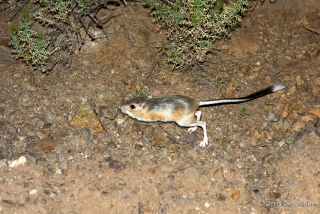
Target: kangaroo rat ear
x=143, y=105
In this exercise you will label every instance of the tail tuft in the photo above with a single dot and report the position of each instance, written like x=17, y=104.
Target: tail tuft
x=278, y=87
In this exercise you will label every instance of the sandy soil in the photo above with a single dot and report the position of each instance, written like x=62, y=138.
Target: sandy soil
x=82, y=155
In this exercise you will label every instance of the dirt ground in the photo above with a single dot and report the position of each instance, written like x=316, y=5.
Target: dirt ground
x=82, y=155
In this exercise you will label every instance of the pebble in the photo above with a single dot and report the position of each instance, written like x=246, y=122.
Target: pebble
x=292, y=90
x=20, y=161
x=47, y=145
x=273, y=117
x=33, y=192
x=49, y=116
x=240, y=165
x=117, y=165
x=207, y=204
x=281, y=143
x=58, y=172
x=163, y=210
x=234, y=194
x=85, y=116
x=41, y=135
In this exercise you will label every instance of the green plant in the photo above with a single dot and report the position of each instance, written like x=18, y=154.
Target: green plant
x=161, y=12
x=194, y=25
x=175, y=15
x=243, y=111
x=83, y=4
x=162, y=46
x=27, y=43
x=175, y=57
x=143, y=94
x=68, y=23
x=219, y=81
x=15, y=43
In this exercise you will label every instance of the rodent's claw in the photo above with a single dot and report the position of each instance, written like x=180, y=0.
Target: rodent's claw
x=203, y=143
x=192, y=129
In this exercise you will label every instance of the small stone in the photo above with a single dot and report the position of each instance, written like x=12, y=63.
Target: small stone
x=207, y=204
x=85, y=116
x=234, y=194
x=104, y=193
x=117, y=165
x=58, y=172
x=120, y=121
x=49, y=116
x=47, y=145
x=41, y=135
x=192, y=137
x=20, y=161
x=33, y=192
x=163, y=211
x=273, y=117
x=239, y=165
x=292, y=90
x=281, y=143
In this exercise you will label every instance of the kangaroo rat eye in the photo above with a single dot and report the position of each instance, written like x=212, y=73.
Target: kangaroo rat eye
x=132, y=106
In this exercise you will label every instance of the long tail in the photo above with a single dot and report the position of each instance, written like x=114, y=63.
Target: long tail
x=253, y=96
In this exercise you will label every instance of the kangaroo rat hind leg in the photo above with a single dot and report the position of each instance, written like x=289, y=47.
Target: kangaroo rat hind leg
x=198, y=115
x=193, y=123
x=203, y=124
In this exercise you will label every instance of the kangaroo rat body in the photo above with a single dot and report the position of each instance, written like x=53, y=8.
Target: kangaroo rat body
x=182, y=110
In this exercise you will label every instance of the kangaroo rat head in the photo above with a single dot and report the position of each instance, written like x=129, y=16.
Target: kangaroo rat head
x=136, y=107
